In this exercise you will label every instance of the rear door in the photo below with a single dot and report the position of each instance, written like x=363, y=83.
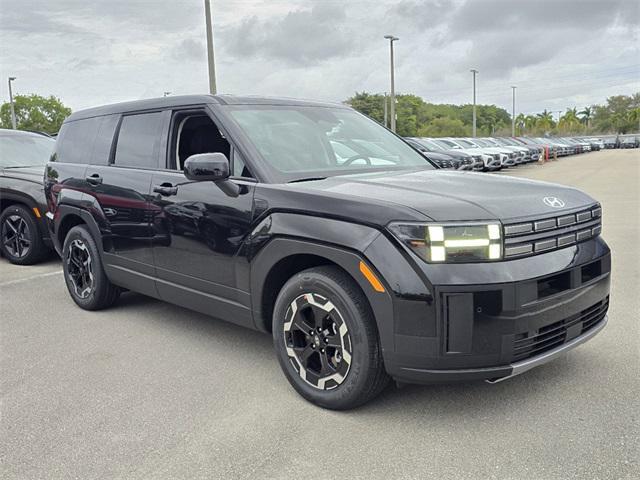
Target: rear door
x=120, y=190
x=202, y=265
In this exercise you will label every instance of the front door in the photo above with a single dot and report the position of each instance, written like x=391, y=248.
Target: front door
x=201, y=266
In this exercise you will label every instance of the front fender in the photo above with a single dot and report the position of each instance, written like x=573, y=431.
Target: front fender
x=345, y=244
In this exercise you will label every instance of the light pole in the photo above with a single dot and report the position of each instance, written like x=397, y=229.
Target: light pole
x=513, y=113
x=13, y=110
x=392, y=39
x=559, y=112
x=386, y=112
x=210, y=59
x=475, y=72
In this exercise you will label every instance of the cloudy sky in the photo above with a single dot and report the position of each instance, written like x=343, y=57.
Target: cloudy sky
x=559, y=53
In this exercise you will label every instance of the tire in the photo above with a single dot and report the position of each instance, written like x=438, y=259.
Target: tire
x=348, y=371
x=84, y=274
x=20, y=239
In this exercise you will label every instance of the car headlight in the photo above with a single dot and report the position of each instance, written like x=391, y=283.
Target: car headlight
x=451, y=242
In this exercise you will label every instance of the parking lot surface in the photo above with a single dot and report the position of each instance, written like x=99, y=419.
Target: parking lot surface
x=150, y=390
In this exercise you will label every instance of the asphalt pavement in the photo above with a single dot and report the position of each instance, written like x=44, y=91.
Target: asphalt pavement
x=150, y=390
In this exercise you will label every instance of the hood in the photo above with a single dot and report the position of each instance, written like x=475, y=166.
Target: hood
x=452, y=195
x=457, y=154
x=30, y=174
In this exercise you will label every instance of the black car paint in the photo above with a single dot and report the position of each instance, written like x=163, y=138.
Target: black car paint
x=226, y=256
x=23, y=186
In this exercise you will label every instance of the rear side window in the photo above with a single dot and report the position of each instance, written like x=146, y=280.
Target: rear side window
x=138, y=141
x=76, y=139
x=104, y=140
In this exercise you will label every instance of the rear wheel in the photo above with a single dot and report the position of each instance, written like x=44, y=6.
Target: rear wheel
x=20, y=239
x=326, y=339
x=83, y=271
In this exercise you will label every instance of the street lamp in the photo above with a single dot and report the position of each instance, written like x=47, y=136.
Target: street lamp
x=475, y=72
x=392, y=39
x=513, y=113
x=13, y=110
x=210, y=59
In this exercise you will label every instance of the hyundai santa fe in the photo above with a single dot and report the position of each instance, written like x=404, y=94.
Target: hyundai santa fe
x=315, y=224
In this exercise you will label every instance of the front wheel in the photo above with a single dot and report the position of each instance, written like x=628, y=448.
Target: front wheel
x=326, y=339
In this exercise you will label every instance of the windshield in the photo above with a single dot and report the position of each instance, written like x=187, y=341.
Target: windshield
x=303, y=141
x=429, y=144
x=25, y=150
x=446, y=144
x=465, y=143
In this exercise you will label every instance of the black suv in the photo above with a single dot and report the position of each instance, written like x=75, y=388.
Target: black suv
x=24, y=237
x=316, y=224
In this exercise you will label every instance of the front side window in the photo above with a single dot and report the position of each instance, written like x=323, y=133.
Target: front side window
x=196, y=133
x=138, y=141
x=302, y=141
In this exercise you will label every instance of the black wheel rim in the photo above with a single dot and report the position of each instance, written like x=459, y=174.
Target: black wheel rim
x=317, y=341
x=16, y=236
x=80, y=268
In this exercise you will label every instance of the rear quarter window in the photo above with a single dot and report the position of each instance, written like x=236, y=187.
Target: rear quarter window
x=76, y=139
x=87, y=141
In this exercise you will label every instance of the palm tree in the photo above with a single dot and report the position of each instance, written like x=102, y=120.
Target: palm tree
x=569, y=121
x=530, y=122
x=585, y=115
x=544, y=121
x=521, y=123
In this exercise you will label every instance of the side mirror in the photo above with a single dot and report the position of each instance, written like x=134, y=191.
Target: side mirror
x=211, y=167
x=207, y=167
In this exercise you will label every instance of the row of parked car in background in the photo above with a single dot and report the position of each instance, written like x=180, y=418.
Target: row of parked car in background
x=495, y=153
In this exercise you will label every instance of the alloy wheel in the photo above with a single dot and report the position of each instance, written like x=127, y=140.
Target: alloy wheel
x=16, y=236
x=80, y=269
x=317, y=341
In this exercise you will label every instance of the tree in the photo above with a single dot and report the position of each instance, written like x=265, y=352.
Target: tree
x=569, y=122
x=617, y=115
x=371, y=105
x=34, y=112
x=585, y=115
x=544, y=121
x=444, y=127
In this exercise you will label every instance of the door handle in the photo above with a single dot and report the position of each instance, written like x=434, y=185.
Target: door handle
x=165, y=189
x=94, y=179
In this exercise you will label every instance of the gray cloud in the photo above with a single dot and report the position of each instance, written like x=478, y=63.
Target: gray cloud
x=509, y=34
x=101, y=51
x=189, y=49
x=525, y=15
x=302, y=37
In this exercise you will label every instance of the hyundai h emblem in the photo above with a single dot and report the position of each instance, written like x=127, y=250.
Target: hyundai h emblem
x=553, y=202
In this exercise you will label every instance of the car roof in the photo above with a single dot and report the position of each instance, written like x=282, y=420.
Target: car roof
x=186, y=100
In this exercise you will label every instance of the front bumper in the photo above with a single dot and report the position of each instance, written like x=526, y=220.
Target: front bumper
x=505, y=372
x=494, y=321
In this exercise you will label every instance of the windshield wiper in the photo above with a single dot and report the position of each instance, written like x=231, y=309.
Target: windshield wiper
x=308, y=179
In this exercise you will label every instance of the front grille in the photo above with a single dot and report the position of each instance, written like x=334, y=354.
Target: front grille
x=530, y=344
x=551, y=233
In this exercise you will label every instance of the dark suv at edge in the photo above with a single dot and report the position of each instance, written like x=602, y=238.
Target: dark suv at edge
x=363, y=267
